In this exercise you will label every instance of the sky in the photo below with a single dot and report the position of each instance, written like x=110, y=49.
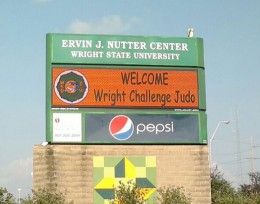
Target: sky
x=230, y=30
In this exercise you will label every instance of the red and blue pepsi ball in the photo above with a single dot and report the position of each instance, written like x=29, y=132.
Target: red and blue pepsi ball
x=121, y=127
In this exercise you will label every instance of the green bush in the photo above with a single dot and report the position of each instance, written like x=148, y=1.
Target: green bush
x=45, y=196
x=172, y=195
x=40, y=196
x=48, y=196
x=27, y=200
x=6, y=197
x=128, y=194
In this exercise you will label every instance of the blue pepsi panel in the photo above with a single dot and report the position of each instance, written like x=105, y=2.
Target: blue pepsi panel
x=173, y=128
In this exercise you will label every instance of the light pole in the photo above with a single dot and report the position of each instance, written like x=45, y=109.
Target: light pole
x=19, y=193
x=212, y=137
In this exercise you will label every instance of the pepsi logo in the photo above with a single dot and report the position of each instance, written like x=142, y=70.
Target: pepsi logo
x=121, y=127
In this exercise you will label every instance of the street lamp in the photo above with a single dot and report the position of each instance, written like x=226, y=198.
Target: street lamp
x=212, y=137
x=19, y=193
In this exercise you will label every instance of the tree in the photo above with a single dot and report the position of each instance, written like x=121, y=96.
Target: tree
x=254, y=186
x=6, y=197
x=222, y=192
x=251, y=192
x=221, y=189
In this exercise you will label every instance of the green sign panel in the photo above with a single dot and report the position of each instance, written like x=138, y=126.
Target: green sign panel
x=125, y=50
x=125, y=89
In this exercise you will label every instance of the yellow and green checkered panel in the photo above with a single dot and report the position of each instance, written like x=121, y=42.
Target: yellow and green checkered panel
x=109, y=171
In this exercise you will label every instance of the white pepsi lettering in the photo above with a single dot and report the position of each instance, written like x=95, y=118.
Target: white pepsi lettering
x=159, y=128
x=168, y=127
x=138, y=129
x=156, y=128
x=150, y=127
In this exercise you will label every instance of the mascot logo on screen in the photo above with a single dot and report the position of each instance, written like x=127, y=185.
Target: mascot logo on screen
x=121, y=127
x=71, y=87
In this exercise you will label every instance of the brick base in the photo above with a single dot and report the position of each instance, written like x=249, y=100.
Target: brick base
x=70, y=168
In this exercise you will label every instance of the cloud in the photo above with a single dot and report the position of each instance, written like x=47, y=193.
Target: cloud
x=17, y=174
x=106, y=25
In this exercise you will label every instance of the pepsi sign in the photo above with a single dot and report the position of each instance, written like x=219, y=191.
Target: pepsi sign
x=121, y=127
x=164, y=128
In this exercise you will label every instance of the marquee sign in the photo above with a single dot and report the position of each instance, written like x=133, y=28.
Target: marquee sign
x=97, y=83
x=86, y=87
x=129, y=127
